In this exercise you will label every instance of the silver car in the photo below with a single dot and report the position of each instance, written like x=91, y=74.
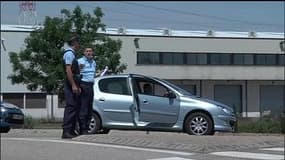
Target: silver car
x=137, y=102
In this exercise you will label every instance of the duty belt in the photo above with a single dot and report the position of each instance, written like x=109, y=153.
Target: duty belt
x=87, y=83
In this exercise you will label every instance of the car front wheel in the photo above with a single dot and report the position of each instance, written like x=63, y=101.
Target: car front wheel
x=199, y=123
x=95, y=124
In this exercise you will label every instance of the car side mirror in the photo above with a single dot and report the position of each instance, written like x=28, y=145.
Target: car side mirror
x=170, y=94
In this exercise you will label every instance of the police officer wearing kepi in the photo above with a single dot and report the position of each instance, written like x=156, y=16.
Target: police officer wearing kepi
x=71, y=88
x=87, y=67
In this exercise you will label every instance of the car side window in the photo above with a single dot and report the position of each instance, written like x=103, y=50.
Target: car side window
x=116, y=85
x=160, y=90
x=150, y=87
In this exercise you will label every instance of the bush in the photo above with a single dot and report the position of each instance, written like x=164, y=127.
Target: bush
x=261, y=125
x=41, y=123
x=30, y=122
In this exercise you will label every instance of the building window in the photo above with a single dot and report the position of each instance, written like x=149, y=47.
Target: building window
x=193, y=59
x=243, y=59
x=220, y=59
x=35, y=100
x=166, y=58
x=281, y=59
x=266, y=59
x=147, y=58
x=172, y=58
x=271, y=99
x=14, y=98
x=230, y=95
x=176, y=58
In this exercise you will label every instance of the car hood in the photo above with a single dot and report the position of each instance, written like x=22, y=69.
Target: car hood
x=210, y=101
x=9, y=105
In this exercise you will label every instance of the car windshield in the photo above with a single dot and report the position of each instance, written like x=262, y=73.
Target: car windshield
x=180, y=90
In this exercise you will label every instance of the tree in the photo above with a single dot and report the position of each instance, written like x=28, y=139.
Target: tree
x=40, y=66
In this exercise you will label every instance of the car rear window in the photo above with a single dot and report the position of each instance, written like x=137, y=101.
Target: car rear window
x=116, y=85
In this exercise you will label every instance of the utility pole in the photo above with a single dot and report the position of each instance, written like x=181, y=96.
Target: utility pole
x=27, y=13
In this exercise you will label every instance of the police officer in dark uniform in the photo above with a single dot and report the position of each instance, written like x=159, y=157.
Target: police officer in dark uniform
x=71, y=88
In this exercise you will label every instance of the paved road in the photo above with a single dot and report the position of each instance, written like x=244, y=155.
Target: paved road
x=134, y=145
x=47, y=149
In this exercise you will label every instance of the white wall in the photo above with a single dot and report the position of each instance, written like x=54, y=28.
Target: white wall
x=51, y=111
x=202, y=72
x=14, y=42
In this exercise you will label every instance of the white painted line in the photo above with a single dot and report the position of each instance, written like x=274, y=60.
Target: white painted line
x=273, y=149
x=171, y=158
x=101, y=145
x=249, y=155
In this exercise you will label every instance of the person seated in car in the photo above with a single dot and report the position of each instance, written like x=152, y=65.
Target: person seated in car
x=147, y=88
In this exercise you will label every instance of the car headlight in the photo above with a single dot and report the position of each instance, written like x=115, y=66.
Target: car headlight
x=3, y=109
x=225, y=110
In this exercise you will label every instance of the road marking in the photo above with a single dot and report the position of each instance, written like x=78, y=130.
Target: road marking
x=249, y=155
x=101, y=145
x=273, y=149
x=171, y=158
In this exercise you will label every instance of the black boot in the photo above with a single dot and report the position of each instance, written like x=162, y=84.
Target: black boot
x=84, y=132
x=67, y=135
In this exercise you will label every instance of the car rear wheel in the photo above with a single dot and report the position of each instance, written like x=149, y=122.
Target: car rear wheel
x=104, y=131
x=199, y=123
x=95, y=124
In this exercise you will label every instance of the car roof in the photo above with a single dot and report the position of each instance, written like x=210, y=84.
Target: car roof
x=123, y=75
x=135, y=75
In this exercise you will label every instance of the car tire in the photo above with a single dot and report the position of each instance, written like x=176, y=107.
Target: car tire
x=5, y=130
x=95, y=124
x=104, y=131
x=199, y=123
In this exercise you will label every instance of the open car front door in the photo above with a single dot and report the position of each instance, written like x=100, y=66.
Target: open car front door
x=134, y=108
x=152, y=109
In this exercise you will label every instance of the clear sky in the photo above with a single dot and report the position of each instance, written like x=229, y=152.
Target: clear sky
x=261, y=16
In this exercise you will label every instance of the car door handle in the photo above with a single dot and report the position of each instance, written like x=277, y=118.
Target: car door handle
x=102, y=99
x=145, y=102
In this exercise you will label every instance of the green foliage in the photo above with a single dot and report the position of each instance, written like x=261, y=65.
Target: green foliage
x=39, y=66
x=261, y=125
x=30, y=122
x=36, y=123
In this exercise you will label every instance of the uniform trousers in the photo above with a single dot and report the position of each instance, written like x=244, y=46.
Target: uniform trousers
x=71, y=110
x=86, y=99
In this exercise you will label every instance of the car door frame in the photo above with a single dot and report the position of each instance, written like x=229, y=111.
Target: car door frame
x=144, y=115
x=110, y=115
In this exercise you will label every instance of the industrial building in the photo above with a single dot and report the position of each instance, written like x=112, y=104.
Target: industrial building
x=244, y=70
